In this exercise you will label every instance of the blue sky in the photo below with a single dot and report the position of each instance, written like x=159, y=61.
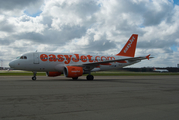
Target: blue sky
x=174, y=48
x=34, y=14
x=176, y=2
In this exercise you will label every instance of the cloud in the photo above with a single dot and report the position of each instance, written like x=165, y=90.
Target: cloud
x=16, y=7
x=5, y=26
x=51, y=36
x=99, y=45
x=101, y=26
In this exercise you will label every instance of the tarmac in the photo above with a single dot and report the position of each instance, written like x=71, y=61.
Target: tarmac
x=105, y=98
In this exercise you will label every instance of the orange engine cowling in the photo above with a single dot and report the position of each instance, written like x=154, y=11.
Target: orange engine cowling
x=53, y=74
x=71, y=71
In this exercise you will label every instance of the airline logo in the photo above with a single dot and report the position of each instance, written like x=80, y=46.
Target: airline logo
x=76, y=71
x=68, y=58
x=129, y=48
x=129, y=45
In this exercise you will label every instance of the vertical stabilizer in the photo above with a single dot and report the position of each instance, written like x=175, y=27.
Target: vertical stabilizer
x=129, y=48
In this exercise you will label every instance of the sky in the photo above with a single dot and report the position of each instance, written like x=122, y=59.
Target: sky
x=91, y=27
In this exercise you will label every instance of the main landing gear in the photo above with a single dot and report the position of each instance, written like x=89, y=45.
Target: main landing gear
x=89, y=77
x=34, y=77
x=75, y=78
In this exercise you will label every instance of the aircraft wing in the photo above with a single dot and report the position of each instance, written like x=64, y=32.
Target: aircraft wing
x=94, y=64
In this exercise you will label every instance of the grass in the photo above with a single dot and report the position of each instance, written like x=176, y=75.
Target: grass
x=21, y=74
x=104, y=73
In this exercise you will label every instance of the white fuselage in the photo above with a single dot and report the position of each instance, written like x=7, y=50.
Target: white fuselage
x=46, y=61
x=160, y=70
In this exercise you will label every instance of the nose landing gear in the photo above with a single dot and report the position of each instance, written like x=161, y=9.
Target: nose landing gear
x=34, y=77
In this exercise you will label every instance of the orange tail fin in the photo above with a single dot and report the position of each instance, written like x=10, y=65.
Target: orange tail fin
x=129, y=48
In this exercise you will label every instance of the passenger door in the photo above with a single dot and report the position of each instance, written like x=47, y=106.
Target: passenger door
x=36, y=58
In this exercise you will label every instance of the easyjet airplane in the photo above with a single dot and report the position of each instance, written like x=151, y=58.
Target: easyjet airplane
x=160, y=70
x=75, y=65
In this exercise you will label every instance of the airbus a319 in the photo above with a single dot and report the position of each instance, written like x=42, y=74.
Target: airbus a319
x=75, y=65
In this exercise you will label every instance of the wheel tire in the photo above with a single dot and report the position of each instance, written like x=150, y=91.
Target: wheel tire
x=76, y=78
x=34, y=78
x=89, y=77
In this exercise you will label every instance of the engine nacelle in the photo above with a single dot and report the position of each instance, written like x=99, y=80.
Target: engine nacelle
x=53, y=74
x=71, y=71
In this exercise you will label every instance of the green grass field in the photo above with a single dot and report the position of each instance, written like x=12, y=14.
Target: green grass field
x=20, y=73
x=104, y=73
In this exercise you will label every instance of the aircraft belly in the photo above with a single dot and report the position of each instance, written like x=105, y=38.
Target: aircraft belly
x=40, y=67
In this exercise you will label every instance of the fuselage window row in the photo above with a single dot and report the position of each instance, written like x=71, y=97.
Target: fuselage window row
x=67, y=59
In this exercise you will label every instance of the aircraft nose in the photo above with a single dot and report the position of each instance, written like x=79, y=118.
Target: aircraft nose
x=11, y=64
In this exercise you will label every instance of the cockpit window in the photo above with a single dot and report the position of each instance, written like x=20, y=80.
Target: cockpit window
x=22, y=57
x=18, y=57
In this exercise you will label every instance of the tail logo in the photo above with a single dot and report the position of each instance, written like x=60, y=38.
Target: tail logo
x=129, y=45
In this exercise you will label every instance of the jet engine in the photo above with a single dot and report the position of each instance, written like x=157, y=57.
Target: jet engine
x=53, y=74
x=71, y=71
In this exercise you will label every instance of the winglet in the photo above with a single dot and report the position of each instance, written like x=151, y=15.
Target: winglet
x=129, y=48
x=148, y=56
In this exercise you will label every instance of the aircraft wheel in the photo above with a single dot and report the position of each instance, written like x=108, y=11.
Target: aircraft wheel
x=89, y=77
x=34, y=78
x=75, y=78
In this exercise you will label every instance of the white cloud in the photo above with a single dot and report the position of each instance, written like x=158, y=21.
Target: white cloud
x=92, y=26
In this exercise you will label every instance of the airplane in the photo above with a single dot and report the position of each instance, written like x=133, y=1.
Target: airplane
x=160, y=70
x=75, y=65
